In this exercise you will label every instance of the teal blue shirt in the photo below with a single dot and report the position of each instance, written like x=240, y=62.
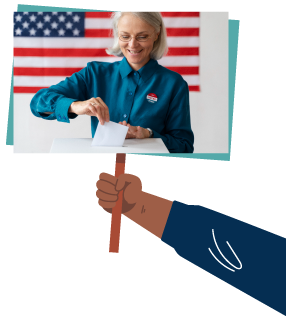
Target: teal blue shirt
x=153, y=97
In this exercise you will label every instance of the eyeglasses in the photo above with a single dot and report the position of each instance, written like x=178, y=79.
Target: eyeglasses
x=139, y=38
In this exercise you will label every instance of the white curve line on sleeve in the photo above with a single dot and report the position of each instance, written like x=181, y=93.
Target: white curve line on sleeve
x=220, y=262
x=224, y=256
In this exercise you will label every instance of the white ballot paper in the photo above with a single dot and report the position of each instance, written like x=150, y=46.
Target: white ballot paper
x=110, y=134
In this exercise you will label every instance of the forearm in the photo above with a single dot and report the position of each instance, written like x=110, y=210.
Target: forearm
x=151, y=213
x=182, y=143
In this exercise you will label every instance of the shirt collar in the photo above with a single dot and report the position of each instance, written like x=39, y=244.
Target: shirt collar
x=145, y=72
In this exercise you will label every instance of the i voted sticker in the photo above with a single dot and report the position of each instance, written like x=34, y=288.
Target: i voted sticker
x=152, y=98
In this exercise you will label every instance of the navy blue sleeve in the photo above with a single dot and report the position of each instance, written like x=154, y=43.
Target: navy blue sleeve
x=250, y=259
x=58, y=98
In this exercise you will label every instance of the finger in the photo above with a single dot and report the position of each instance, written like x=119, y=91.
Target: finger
x=108, y=178
x=106, y=187
x=95, y=110
x=124, y=123
x=105, y=108
x=100, y=115
x=132, y=130
x=106, y=196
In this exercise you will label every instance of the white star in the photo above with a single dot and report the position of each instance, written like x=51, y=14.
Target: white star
x=61, y=32
x=69, y=13
x=54, y=13
x=47, y=32
x=47, y=18
x=25, y=25
x=40, y=13
x=75, y=32
x=18, y=17
x=32, y=18
x=32, y=32
x=69, y=25
x=54, y=25
x=18, y=32
x=76, y=18
x=40, y=25
x=62, y=18
x=26, y=13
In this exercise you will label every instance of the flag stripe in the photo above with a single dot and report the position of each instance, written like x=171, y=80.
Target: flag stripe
x=47, y=52
x=180, y=14
x=27, y=89
x=98, y=14
x=164, y=14
x=100, y=33
x=181, y=32
x=194, y=88
x=183, y=52
x=19, y=71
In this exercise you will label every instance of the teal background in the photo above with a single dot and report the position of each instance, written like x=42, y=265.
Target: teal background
x=232, y=47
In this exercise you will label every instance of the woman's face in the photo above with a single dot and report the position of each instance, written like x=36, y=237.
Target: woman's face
x=137, y=53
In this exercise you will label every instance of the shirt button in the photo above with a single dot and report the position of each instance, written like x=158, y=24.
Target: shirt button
x=125, y=115
x=135, y=73
x=60, y=117
x=130, y=93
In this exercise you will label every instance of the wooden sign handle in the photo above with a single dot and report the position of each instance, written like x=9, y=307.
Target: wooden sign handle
x=116, y=211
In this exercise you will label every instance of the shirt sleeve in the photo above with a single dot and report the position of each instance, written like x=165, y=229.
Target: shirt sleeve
x=58, y=98
x=178, y=136
x=250, y=259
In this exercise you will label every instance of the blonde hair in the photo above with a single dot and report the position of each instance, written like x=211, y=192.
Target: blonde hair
x=154, y=19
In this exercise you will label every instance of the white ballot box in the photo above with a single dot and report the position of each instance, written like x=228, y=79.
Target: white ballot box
x=152, y=145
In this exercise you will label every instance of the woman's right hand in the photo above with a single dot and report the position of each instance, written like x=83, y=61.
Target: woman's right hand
x=93, y=107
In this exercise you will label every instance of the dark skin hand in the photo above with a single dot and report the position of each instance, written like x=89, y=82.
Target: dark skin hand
x=147, y=210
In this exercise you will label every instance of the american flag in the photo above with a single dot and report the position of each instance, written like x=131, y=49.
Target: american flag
x=50, y=46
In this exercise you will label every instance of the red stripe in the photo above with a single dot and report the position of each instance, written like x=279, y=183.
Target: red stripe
x=98, y=14
x=183, y=32
x=180, y=14
x=18, y=71
x=189, y=51
x=36, y=89
x=27, y=89
x=194, y=88
x=98, y=33
x=184, y=70
x=65, y=52
x=62, y=52
x=163, y=13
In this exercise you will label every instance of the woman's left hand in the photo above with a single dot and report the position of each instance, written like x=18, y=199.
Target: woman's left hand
x=135, y=132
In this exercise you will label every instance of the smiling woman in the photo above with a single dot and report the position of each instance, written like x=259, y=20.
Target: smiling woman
x=146, y=25
x=136, y=48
